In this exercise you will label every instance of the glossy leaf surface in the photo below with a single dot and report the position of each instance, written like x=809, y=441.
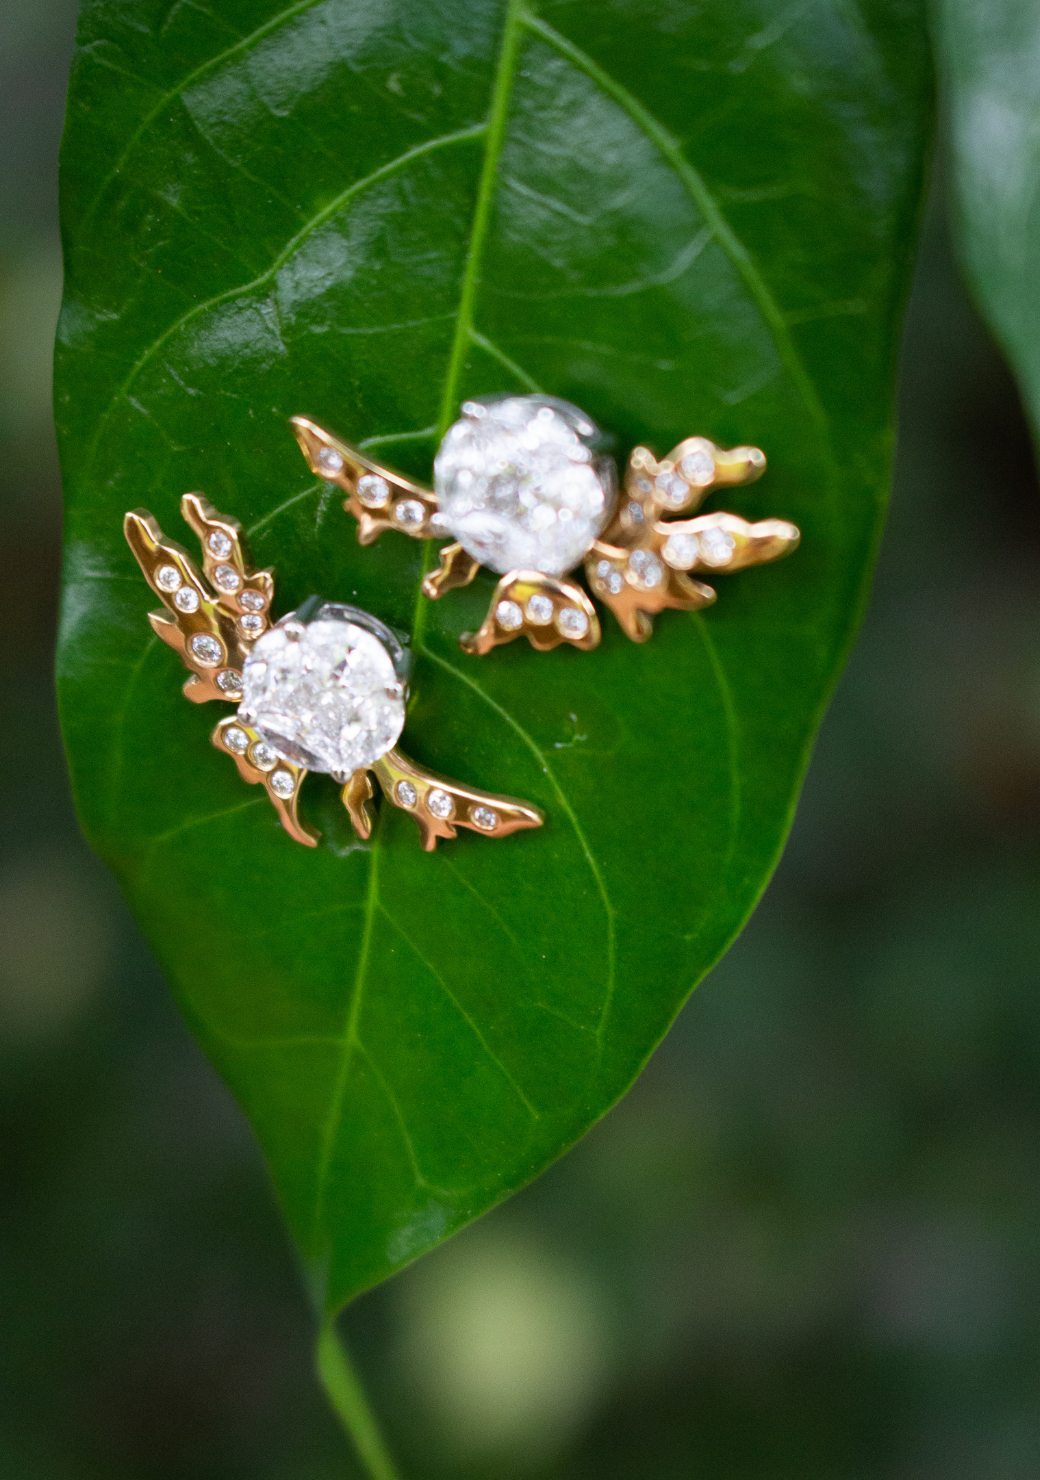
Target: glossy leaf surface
x=991, y=60
x=687, y=219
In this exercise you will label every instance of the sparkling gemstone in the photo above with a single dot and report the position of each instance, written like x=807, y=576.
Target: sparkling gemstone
x=167, y=578
x=251, y=623
x=572, y=622
x=716, y=546
x=226, y=578
x=187, y=600
x=406, y=793
x=230, y=681
x=236, y=739
x=610, y=577
x=329, y=460
x=207, y=649
x=509, y=616
x=698, y=467
x=373, y=490
x=484, y=817
x=410, y=512
x=253, y=601
x=645, y=567
x=283, y=784
x=219, y=544
x=264, y=758
x=325, y=694
x=539, y=610
x=673, y=489
x=439, y=802
x=519, y=487
x=681, y=551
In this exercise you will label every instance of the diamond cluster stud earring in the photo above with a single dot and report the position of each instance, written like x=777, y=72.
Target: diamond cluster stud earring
x=522, y=485
x=322, y=689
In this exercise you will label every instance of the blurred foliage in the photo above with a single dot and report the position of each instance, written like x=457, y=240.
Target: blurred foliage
x=803, y=1247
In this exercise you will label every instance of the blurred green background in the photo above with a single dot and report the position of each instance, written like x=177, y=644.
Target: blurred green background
x=804, y=1246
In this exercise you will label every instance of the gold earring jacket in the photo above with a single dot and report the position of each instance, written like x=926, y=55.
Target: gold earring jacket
x=523, y=485
x=322, y=689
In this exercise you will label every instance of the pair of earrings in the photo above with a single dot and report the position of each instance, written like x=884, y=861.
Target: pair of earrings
x=525, y=487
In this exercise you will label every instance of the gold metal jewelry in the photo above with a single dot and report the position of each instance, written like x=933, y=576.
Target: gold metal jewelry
x=323, y=689
x=520, y=475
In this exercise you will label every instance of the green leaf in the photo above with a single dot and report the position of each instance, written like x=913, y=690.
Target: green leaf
x=687, y=218
x=990, y=52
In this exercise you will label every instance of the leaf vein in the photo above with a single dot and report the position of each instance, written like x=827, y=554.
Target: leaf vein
x=466, y=1017
x=318, y=219
x=707, y=205
x=572, y=817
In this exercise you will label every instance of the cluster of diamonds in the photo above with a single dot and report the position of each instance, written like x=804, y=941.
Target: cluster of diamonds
x=324, y=695
x=519, y=486
x=541, y=611
x=441, y=804
x=374, y=492
x=265, y=758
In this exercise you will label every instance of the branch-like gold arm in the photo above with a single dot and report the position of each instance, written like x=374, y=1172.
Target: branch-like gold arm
x=439, y=805
x=211, y=621
x=377, y=498
x=547, y=610
x=257, y=762
x=457, y=568
x=677, y=484
x=636, y=585
x=643, y=564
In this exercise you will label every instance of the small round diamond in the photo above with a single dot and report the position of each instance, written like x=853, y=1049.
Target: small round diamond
x=406, y=793
x=673, y=489
x=540, y=610
x=219, y=544
x=283, y=784
x=484, y=817
x=236, y=739
x=681, y=551
x=373, y=491
x=716, y=547
x=226, y=578
x=509, y=616
x=329, y=461
x=167, y=578
x=207, y=649
x=410, y=512
x=229, y=682
x=572, y=622
x=698, y=467
x=263, y=756
x=187, y=600
x=253, y=601
x=645, y=568
x=251, y=624
x=439, y=802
